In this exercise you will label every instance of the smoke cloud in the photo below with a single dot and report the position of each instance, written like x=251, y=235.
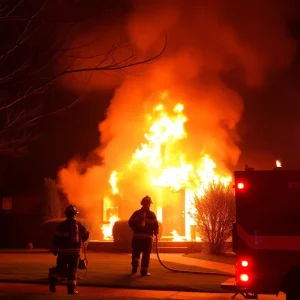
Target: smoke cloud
x=207, y=41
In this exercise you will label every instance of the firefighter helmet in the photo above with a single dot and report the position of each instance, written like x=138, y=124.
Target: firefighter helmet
x=146, y=200
x=71, y=210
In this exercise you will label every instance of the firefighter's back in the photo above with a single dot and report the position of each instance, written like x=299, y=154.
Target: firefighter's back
x=68, y=234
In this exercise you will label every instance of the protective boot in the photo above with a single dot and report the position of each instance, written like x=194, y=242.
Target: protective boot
x=52, y=281
x=52, y=284
x=72, y=290
x=145, y=273
x=135, y=265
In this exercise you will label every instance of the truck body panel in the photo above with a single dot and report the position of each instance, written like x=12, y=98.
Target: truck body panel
x=267, y=229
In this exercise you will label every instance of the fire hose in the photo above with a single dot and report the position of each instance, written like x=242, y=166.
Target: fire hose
x=187, y=271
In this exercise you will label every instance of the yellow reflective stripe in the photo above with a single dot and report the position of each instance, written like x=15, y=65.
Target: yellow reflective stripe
x=151, y=221
x=57, y=233
x=145, y=235
x=68, y=250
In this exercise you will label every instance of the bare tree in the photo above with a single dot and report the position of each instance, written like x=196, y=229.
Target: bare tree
x=214, y=214
x=51, y=201
x=35, y=35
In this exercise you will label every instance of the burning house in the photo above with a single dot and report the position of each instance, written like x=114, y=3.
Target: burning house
x=161, y=167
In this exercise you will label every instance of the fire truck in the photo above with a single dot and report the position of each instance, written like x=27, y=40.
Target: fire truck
x=266, y=233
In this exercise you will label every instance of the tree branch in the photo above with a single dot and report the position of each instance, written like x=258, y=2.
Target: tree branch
x=28, y=53
x=110, y=67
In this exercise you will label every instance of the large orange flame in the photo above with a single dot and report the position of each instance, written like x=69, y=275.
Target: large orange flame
x=162, y=158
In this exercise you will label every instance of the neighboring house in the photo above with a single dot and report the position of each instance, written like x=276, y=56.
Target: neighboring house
x=20, y=214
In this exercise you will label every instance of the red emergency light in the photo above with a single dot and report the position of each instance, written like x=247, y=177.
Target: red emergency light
x=244, y=263
x=243, y=271
x=244, y=277
x=240, y=185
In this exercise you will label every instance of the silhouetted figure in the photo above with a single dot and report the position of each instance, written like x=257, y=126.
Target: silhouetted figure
x=144, y=224
x=67, y=245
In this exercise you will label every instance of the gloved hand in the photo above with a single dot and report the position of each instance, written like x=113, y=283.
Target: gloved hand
x=54, y=252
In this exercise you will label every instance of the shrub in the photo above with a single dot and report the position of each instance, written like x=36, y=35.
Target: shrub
x=194, y=248
x=214, y=214
x=122, y=235
x=51, y=202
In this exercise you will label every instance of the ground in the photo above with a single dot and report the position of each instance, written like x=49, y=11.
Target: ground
x=227, y=258
x=40, y=292
x=111, y=270
x=108, y=278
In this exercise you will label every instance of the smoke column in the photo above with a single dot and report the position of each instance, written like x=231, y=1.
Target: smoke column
x=207, y=41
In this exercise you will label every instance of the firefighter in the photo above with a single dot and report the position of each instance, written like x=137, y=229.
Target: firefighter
x=67, y=244
x=144, y=224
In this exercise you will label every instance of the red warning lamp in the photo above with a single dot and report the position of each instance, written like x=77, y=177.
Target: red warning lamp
x=244, y=277
x=244, y=263
x=243, y=271
x=240, y=186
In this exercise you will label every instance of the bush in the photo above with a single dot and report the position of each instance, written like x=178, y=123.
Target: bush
x=194, y=248
x=122, y=235
x=51, y=202
x=214, y=214
x=48, y=229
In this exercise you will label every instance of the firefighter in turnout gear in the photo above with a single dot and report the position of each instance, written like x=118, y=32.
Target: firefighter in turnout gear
x=67, y=245
x=144, y=224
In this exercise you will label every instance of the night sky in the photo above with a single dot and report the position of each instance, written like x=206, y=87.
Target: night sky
x=269, y=128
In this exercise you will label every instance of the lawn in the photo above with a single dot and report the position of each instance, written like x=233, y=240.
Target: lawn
x=226, y=258
x=111, y=270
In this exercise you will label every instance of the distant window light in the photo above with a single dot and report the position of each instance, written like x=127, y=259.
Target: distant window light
x=6, y=203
